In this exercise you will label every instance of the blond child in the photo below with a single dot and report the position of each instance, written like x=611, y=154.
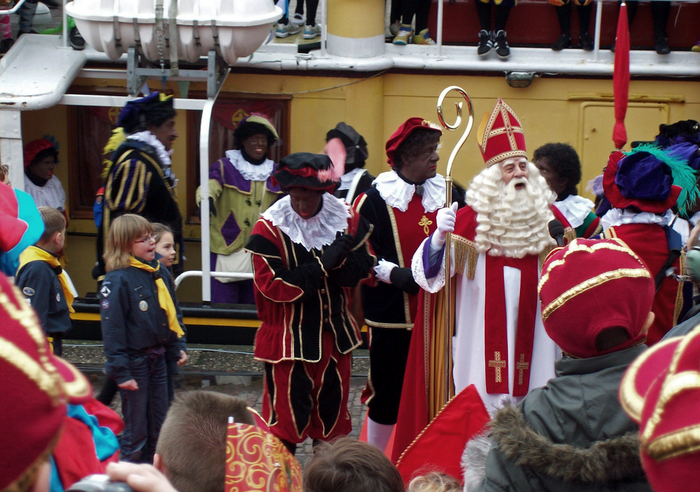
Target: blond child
x=141, y=328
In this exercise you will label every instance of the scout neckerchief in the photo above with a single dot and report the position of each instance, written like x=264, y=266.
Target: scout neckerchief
x=33, y=253
x=164, y=298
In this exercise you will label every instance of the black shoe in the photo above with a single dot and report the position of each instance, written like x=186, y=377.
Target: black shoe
x=562, y=42
x=586, y=42
x=75, y=39
x=5, y=45
x=502, y=48
x=661, y=45
x=485, y=43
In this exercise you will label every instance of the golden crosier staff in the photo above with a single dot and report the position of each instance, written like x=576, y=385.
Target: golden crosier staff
x=447, y=387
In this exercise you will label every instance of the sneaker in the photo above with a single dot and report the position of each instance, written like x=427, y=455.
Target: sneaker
x=562, y=42
x=284, y=30
x=298, y=19
x=394, y=28
x=5, y=45
x=312, y=32
x=696, y=48
x=502, y=48
x=404, y=35
x=586, y=42
x=75, y=39
x=423, y=37
x=661, y=45
x=485, y=43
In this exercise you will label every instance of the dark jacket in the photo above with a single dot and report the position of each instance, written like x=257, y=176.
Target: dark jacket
x=571, y=435
x=135, y=184
x=133, y=323
x=39, y=283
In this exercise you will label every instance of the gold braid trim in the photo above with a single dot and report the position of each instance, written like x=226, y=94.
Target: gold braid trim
x=466, y=256
x=673, y=444
x=590, y=283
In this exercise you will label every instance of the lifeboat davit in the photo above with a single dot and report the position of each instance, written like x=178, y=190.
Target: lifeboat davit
x=235, y=28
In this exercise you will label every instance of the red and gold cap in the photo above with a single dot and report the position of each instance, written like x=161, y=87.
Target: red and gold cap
x=591, y=285
x=402, y=132
x=661, y=391
x=257, y=460
x=35, y=387
x=500, y=135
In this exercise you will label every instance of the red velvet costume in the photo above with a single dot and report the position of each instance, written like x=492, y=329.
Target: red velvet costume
x=307, y=331
x=649, y=242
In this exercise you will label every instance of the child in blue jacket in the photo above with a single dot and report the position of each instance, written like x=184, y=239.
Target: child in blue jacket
x=141, y=327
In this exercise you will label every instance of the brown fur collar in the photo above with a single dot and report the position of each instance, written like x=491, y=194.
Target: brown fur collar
x=609, y=460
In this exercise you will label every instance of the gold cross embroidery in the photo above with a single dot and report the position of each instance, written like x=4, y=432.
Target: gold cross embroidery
x=521, y=366
x=498, y=364
x=425, y=222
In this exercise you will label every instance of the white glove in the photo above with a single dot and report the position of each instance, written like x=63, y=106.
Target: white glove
x=445, y=223
x=383, y=270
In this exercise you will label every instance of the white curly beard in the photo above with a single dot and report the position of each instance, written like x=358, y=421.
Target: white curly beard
x=511, y=222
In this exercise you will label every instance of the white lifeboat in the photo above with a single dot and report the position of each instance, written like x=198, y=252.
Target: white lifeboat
x=236, y=27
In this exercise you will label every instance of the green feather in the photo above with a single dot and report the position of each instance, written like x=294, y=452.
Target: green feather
x=683, y=175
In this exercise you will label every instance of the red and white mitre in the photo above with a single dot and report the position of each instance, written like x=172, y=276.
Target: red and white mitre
x=500, y=135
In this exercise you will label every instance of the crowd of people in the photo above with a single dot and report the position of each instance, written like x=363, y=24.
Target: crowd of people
x=572, y=323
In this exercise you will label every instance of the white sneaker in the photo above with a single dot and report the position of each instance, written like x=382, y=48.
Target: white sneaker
x=312, y=32
x=298, y=19
x=284, y=30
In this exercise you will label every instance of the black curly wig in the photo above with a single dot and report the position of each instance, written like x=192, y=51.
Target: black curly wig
x=564, y=161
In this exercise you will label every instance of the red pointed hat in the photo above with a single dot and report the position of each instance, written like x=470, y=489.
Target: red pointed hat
x=35, y=387
x=500, y=135
x=402, y=133
x=661, y=391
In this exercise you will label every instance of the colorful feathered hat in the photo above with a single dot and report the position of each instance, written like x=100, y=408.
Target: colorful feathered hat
x=309, y=171
x=154, y=109
x=500, y=135
x=21, y=226
x=649, y=179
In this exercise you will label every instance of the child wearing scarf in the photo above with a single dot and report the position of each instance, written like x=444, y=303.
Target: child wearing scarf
x=141, y=328
x=44, y=283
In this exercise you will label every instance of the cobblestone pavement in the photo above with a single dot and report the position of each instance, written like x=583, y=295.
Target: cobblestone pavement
x=235, y=374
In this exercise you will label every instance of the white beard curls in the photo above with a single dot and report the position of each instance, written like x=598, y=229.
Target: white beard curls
x=511, y=222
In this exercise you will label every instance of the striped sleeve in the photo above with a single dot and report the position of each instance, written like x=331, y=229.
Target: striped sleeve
x=127, y=186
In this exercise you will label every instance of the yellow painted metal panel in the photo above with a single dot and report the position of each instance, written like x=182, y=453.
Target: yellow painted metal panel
x=340, y=13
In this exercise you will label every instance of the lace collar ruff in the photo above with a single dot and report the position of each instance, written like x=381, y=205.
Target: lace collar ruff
x=397, y=193
x=316, y=232
x=250, y=172
x=150, y=139
x=575, y=208
x=616, y=217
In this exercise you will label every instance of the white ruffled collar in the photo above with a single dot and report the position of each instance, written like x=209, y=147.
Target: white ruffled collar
x=347, y=178
x=397, y=193
x=163, y=155
x=249, y=171
x=575, y=208
x=617, y=216
x=316, y=232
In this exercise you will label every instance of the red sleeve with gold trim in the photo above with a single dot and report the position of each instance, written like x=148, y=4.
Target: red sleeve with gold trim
x=275, y=278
